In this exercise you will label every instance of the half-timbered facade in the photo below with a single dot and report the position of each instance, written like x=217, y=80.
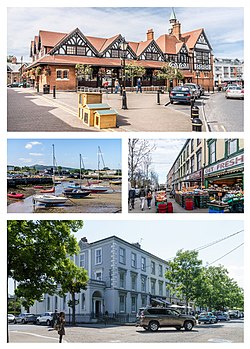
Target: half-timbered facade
x=55, y=56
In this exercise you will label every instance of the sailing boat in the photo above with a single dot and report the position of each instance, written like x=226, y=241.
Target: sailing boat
x=93, y=187
x=47, y=198
x=76, y=191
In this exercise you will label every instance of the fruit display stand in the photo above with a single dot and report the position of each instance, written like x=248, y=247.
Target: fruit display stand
x=105, y=119
x=191, y=198
x=89, y=111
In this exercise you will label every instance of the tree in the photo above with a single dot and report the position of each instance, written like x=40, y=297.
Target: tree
x=184, y=275
x=139, y=149
x=38, y=253
x=133, y=70
x=10, y=58
x=83, y=71
x=73, y=280
x=168, y=73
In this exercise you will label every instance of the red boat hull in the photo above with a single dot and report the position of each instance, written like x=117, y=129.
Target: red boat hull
x=15, y=196
x=52, y=190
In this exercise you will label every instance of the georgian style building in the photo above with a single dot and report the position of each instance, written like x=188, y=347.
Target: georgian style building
x=55, y=56
x=122, y=278
x=227, y=71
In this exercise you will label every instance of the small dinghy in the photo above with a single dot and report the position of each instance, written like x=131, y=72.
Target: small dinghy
x=15, y=195
x=49, y=199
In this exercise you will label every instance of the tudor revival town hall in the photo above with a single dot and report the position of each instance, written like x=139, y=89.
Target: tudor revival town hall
x=55, y=56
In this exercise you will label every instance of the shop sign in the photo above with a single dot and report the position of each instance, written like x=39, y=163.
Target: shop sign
x=195, y=175
x=179, y=65
x=226, y=164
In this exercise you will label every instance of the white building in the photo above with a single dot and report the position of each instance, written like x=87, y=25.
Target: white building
x=228, y=70
x=122, y=278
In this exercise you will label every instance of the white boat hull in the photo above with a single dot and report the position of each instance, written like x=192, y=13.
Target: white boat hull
x=50, y=199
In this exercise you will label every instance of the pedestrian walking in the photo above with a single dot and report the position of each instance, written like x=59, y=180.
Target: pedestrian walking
x=54, y=318
x=117, y=85
x=131, y=198
x=61, y=326
x=138, y=85
x=149, y=198
x=105, y=85
x=142, y=196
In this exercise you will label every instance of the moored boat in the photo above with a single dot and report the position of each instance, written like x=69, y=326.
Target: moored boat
x=38, y=187
x=49, y=199
x=95, y=189
x=76, y=193
x=115, y=182
x=51, y=190
x=13, y=195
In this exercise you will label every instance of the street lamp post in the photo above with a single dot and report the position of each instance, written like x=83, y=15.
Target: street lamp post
x=123, y=46
x=197, y=76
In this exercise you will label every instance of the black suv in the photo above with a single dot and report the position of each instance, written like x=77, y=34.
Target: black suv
x=152, y=318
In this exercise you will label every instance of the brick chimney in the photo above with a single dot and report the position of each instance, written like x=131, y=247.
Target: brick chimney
x=150, y=34
x=176, y=30
x=14, y=60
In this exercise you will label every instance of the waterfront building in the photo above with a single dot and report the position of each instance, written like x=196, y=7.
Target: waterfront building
x=122, y=278
x=55, y=57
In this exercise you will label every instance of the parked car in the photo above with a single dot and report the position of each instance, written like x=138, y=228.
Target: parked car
x=11, y=318
x=234, y=92
x=45, y=318
x=152, y=318
x=13, y=84
x=25, y=318
x=207, y=318
x=181, y=94
x=222, y=316
x=194, y=88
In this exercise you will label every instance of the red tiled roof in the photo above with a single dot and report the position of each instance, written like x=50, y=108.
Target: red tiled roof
x=167, y=43
x=50, y=39
x=133, y=45
x=142, y=46
x=96, y=42
x=109, y=42
x=190, y=38
x=72, y=60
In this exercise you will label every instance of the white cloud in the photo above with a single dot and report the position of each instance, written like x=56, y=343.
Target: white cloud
x=35, y=154
x=31, y=144
x=25, y=160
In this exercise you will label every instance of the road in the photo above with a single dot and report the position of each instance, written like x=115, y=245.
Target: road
x=222, y=332
x=217, y=113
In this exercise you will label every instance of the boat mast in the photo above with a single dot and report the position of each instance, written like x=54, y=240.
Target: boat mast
x=53, y=154
x=80, y=169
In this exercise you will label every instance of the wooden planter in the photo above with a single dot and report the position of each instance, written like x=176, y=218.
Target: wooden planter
x=87, y=112
x=105, y=119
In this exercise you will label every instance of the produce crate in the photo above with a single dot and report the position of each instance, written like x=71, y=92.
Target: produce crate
x=105, y=118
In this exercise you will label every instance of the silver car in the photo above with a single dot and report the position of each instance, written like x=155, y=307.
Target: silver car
x=25, y=318
x=194, y=88
x=152, y=318
x=234, y=92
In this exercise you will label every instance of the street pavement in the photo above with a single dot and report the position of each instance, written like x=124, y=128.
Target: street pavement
x=222, y=332
x=176, y=207
x=29, y=111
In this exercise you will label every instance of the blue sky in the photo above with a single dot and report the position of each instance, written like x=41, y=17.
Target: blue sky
x=223, y=25
x=164, y=238
x=27, y=152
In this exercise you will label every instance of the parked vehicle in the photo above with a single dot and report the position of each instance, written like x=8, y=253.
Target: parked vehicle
x=152, y=318
x=45, y=318
x=25, y=318
x=207, y=318
x=181, y=94
x=13, y=84
x=234, y=92
x=11, y=318
x=222, y=316
x=194, y=88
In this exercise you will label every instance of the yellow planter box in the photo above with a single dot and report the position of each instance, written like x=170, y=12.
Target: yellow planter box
x=89, y=98
x=87, y=113
x=105, y=118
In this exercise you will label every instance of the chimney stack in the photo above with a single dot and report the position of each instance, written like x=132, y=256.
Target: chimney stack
x=176, y=30
x=150, y=34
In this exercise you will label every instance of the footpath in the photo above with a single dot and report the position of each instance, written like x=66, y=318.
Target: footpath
x=144, y=114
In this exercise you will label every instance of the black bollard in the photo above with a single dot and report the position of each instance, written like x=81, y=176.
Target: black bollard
x=208, y=89
x=191, y=105
x=196, y=125
x=194, y=112
x=158, y=97
x=54, y=92
x=124, y=100
x=37, y=88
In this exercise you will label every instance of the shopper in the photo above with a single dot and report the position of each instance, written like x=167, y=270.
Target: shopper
x=61, y=326
x=149, y=198
x=142, y=196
